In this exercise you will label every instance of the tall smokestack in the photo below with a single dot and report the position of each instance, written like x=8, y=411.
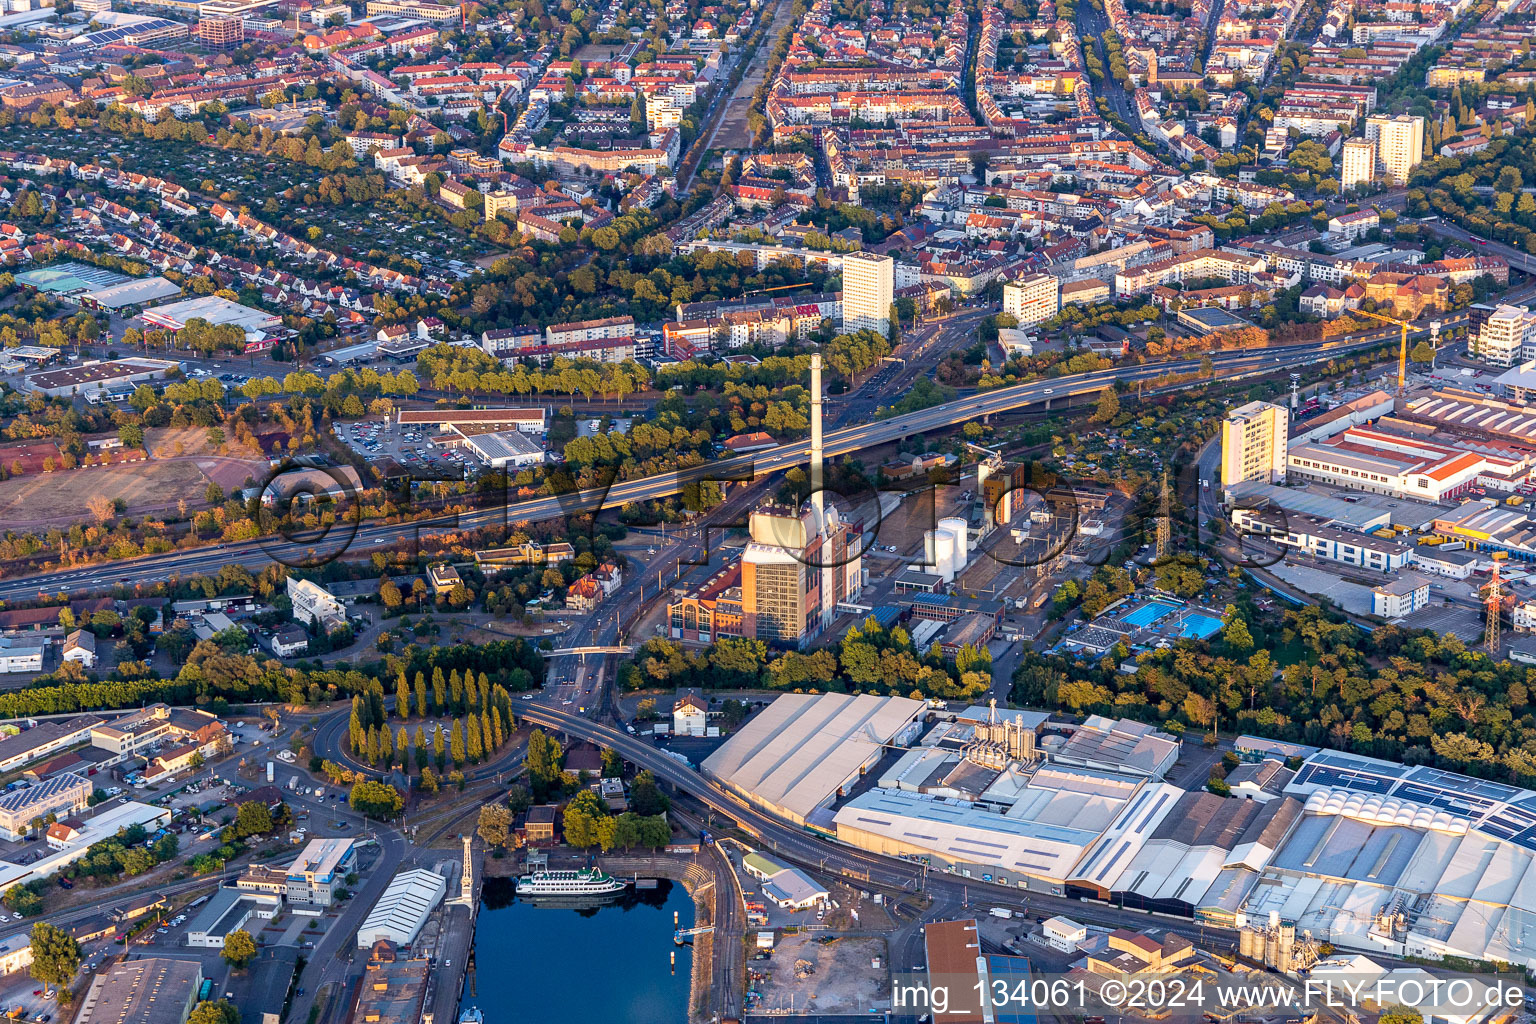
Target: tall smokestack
x=818, y=498
x=818, y=502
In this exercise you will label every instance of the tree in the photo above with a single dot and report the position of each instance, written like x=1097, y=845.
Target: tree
x=239, y=947
x=545, y=762
x=210, y=1012
x=375, y=799
x=1398, y=1014
x=1108, y=407
x=1235, y=632
x=402, y=697
x=252, y=819
x=101, y=508
x=646, y=798
x=495, y=824
x=55, y=955
x=581, y=819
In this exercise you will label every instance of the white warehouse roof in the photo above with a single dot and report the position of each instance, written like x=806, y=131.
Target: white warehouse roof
x=403, y=908
x=799, y=751
x=1454, y=856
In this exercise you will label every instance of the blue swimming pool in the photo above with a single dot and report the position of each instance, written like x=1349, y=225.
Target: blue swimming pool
x=1198, y=626
x=1149, y=613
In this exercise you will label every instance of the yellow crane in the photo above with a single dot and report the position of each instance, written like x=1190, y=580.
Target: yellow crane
x=1402, y=354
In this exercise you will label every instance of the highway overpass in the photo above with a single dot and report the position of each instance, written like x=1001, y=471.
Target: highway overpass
x=358, y=539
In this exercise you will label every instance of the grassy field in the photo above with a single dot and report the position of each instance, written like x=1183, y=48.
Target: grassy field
x=57, y=498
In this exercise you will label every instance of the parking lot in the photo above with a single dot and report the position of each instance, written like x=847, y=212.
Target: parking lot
x=412, y=448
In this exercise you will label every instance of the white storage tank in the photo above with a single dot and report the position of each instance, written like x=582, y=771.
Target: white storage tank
x=939, y=545
x=957, y=526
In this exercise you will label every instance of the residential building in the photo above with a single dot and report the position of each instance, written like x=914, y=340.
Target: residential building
x=1359, y=162
x=869, y=289
x=1253, y=444
x=689, y=714
x=1032, y=299
x=314, y=605
x=1399, y=143
x=1504, y=337
x=443, y=577
x=80, y=648
x=290, y=642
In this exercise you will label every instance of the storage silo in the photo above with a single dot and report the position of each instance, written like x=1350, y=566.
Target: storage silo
x=939, y=546
x=957, y=526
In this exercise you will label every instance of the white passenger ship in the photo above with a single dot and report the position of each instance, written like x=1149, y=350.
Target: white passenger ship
x=582, y=882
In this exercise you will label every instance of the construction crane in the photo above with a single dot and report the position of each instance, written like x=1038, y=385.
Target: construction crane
x=1402, y=352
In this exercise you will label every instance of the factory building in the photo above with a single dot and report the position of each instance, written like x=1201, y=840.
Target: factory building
x=154, y=990
x=1402, y=466
x=804, y=750
x=1406, y=860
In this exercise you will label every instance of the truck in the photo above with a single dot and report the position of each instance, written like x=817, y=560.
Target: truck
x=271, y=772
x=206, y=991
x=1002, y=912
x=293, y=784
x=706, y=838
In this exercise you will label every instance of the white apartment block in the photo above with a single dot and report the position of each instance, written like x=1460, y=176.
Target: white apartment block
x=1032, y=299
x=869, y=288
x=1359, y=162
x=1253, y=444
x=313, y=603
x=1505, y=336
x=1399, y=143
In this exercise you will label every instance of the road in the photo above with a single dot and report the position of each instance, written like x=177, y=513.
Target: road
x=826, y=855
x=360, y=538
x=1091, y=26
x=917, y=354
x=1481, y=246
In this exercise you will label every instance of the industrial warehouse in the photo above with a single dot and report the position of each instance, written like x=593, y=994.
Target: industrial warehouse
x=796, y=756
x=1364, y=854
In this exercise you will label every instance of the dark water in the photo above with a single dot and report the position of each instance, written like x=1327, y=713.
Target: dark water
x=541, y=964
